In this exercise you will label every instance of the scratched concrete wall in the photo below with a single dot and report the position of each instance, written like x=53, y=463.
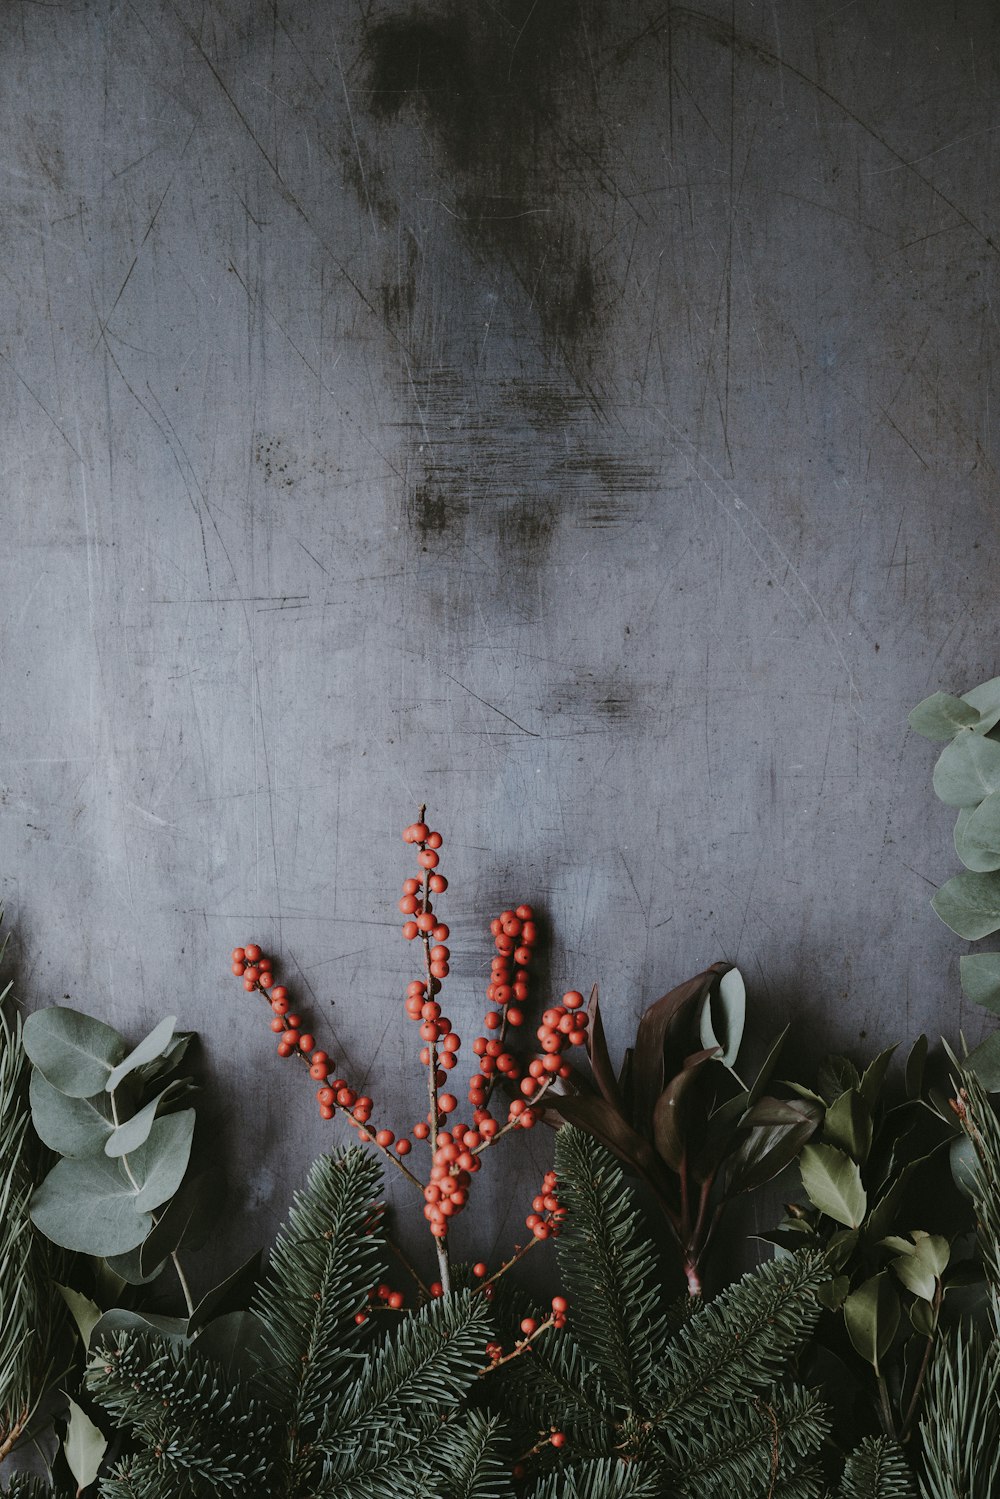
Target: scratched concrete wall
x=578, y=416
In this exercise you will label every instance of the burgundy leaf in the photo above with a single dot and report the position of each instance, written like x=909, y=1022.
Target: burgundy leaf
x=597, y=1051
x=662, y=1041
x=673, y=1115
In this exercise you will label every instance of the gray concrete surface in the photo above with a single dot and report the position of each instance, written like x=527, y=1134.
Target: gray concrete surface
x=577, y=416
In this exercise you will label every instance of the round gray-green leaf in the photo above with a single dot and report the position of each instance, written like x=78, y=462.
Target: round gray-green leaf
x=159, y=1165
x=152, y=1046
x=974, y=855
x=970, y=904
x=74, y=1052
x=833, y=1184
x=135, y=1131
x=986, y=700
x=967, y=769
x=729, y=1003
x=89, y=1206
x=75, y=1127
x=980, y=976
x=941, y=715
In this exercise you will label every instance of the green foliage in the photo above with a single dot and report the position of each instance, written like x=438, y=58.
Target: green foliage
x=967, y=776
x=876, y=1470
x=601, y=1478
x=700, y=1409
x=113, y=1118
x=30, y=1316
x=679, y=1114
x=960, y=1428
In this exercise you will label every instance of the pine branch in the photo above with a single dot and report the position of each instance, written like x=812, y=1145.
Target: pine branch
x=608, y=1264
x=750, y=1447
x=24, y=1486
x=877, y=1470
x=380, y=1462
x=960, y=1426
x=743, y=1340
x=327, y=1257
x=983, y=1129
x=604, y=1478
x=202, y=1434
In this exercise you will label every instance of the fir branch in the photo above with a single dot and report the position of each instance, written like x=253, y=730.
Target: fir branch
x=25, y=1486
x=470, y=1461
x=609, y=1268
x=743, y=1340
x=379, y=1462
x=960, y=1426
x=558, y=1385
x=750, y=1447
x=603, y=1478
x=982, y=1127
x=431, y=1361
x=202, y=1433
x=327, y=1257
x=877, y=1470
x=31, y=1314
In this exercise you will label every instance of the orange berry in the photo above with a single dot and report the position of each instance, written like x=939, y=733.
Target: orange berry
x=384, y=1138
x=447, y=1103
x=279, y=993
x=410, y=930
x=479, y=1270
x=403, y=1147
x=284, y=1050
x=277, y=1024
x=427, y=859
x=421, y=1131
x=528, y=1326
x=307, y=1042
x=239, y=969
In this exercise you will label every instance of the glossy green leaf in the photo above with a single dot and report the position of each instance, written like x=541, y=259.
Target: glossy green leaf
x=849, y=1124
x=872, y=1317
x=74, y=1052
x=923, y=1316
x=76, y=1127
x=974, y=854
x=836, y=1074
x=135, y=1131
x=769, y=1148
x=941, y=715
x=970, y=904
x=89, y=1206
x=833, y=1184
x=915, y=1064
x=967, y=770
x=883, y=1214
x=85, y=1313
x=984, y=1061
x=84, y=1446
x=980, y=977
x=834, y=1292
x=874, y=1076
x=160, y=1163
x=230, y=1295
x=922, y=1263
x=137, y=1267
x=723, y=1017
x=153, y=1046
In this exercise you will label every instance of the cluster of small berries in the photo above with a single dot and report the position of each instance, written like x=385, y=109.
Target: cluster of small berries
x=530, y=1326
x=456, y=1161
x=257, y=972
x=563, y=1025
x=381, y=1296
x=514, y=935
x=547, y=1212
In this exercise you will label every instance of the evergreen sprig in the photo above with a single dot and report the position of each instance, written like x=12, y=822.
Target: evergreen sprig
x=751, y=1447
x=876, y=1470
x=30, y=1313
x=608, y=1270
x=960, y=1427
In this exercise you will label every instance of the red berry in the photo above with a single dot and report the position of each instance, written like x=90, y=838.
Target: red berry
x=307, y=1042
x=249, y=985
x=528, y=1326
x=447, y=1103
x=419, y=831
x=410, y=930
x=479, y=1270
x=277, y=1025
x=403, y=1147
x=427, y=859
x=384, y=1137
x=252, y=951
x=560, y=1305
x=421, y=1131
x=326, y=1096
x=284, y=1050
x=239, y=969
x=279, y=993
x=438, y=883
x=573, y=1000
x=558, y=1439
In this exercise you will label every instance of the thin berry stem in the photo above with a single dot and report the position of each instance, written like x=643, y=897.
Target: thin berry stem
x=521, y=1347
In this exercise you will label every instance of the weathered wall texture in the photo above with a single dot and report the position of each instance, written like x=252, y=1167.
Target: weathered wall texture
x=576, y=415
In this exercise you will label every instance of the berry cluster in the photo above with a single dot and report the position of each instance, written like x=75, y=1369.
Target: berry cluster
x=547, y=1212
x=515, y=935
x=381, y=1296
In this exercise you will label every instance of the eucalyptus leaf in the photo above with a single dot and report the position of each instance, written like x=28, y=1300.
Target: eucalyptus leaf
x=872, y=1317
x=84, y=1446
x=89, y=1206
x=967, y=769
x=980, y=976
x=238, y=1341
x=986, y=700
x=984, y=1061
x=974, y=854
x=153, y=1046
x=74, y=1052
x=833, y=1184
x=970, y=904
x=186, y=1220
x=964, y=1166
x=138, y=1267
x=941, y=715
x=160, y=1163
x=120, y=1319
x=135, y=1131
x=85, y=1313
x=723, y=1016
x=76, y=1127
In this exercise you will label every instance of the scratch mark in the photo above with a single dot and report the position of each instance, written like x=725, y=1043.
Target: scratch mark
x=532, y=732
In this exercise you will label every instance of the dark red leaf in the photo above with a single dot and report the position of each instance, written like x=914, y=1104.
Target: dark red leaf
x=597, y=1051
x=663, y=1040
x=674, y=1116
